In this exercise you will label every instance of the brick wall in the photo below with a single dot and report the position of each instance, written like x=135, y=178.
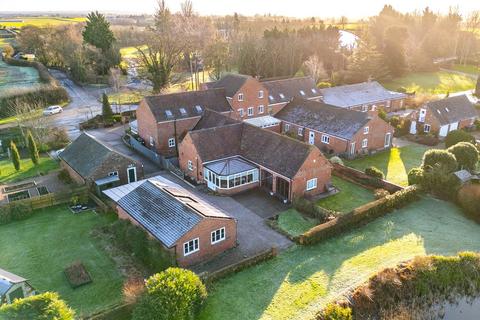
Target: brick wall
x=377, y=130
x=147, y=124
x=250, y=90
x=72, y=173
x=119, y=163
x=166, y=130
x=187, y=151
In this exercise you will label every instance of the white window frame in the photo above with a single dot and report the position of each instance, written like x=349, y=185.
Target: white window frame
x=128, y=174
x=366, y=130
x=302, y=92
x=196, y=247
x=190, y=165
x=151, y=141
x=425, y=126
x=250, y=111
x=241, y=112
x=311, y=184
x=365, y=143
x=113, y=174
x=171, y=142
x=240, y=97
x=300, y=132
x=364, y=108
x=325, y=139
x=261, y=109
x=214, y=234
x=287, y=127
x=260, y=94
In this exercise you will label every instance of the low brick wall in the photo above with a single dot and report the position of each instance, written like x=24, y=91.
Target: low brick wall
x=361, y=178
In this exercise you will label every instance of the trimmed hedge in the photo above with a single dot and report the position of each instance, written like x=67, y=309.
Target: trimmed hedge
x=311, y=209
x=361, y=215
x=374, y=173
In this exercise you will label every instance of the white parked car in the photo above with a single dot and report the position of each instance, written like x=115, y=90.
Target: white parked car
x=52, y=110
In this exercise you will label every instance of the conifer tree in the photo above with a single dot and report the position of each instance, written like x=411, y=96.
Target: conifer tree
x=32, y=147
x=15, y=155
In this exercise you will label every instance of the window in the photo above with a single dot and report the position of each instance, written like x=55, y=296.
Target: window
x=190, y=247
x=218, y=235
x=311, y=184
x=260, y=94
x=302, y=92
x=199, y=109
x=389, y=103
x=325, y=139
x=250, y=111
x=240, y=113
x=364, y=143
x=261, y=109
x=314, y=90
x=282, y=96
x=300, y=131
x=364, y=108
x=113, y=173
x=426, y=128
x=168, y=113
x=287, y=127
x=152, y=142
x=183, y=111
x=271, y=98
x=171, y=142
x=240, y=97
x=366, y=130
x=190, y=165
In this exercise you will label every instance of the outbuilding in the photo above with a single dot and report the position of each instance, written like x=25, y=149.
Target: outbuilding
x=13, y=287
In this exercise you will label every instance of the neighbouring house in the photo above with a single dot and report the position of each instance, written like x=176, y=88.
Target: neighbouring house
x=335, y=130
x=89, y=161
x=464, y=176
x=282, y=91
x=13, y=287
x=443, y=116
x=163, y=120
x=237, y=157
x=187, y=226
x=364, y=96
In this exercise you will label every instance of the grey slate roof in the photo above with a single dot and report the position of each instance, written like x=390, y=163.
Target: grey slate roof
x=231, y=83
x=452, y=109
x=168, y=213
x=277, y=152
x=85, y=154
x=358, y=94
x=7, y=280
x=166, y=107
x=284, y=90
x=335, y=121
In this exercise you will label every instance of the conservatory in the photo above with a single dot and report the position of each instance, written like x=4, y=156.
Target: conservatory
x=231, y=173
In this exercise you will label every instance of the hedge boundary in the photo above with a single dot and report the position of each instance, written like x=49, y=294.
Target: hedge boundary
x=361, y=178
x=360, y=216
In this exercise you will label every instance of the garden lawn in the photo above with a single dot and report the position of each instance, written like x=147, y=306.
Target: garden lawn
x=394, y=163
x=351, y=196
x=294, y=223
x=27, y=170
x=40, y=247
x=432, y=82
x=301, y=280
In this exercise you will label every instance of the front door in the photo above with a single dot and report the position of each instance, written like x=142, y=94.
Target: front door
x=283, y=188
x=132, y=174
x=388, y=138
x=352, y=148
x=311, y=137
x=266, y=180
x=413, y=127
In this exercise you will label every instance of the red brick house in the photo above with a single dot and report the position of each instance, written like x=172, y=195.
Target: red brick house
x=190, y=228
x=163, y=120
x=236, y=157
x=444, y=115
x=364, y=97
x=335, y=130
x=89, y=161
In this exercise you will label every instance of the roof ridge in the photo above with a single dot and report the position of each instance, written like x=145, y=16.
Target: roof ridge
x=184, y=93
x=286, y=79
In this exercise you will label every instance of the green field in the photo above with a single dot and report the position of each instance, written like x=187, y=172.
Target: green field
x=40, y=247
x=301, y=280
x=350, y=196
x=394, y=163
x=475, y=70
x=13, y=78
x=8, y=173
x=432, y=82
x=38, y=21
x=295, y=223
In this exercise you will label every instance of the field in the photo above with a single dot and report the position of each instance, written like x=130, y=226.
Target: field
x=40, y=247
x=301, y=280
x=14, y=78
x=38, y=21
x=27, y=169
x=394, y=163
x=475, y=70
x=350, y=196
x=432, y=82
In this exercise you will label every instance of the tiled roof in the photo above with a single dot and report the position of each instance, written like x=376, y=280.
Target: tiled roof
x=452, y=109
x=358, y=94
x=284, y=90
x=276, y=152
x=231, y=83
x=85, y=154
x=212, y=119
x=167, y=212
x=336, y=121
x=166, y=107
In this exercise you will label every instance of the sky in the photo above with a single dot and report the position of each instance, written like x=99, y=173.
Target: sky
x=293, y=8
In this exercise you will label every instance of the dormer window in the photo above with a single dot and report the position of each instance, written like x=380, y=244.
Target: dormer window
x=314, y=90
x=447, y=109
x=240, y=97
x=282, y=96
x=168, y=113
x=260, y=94
x=271, y=98
x=199, y=109
x=183, y=111
x=302, y=92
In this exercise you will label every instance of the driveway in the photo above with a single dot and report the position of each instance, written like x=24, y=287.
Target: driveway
x=112, y=137
x=253, y=234
x=260, y=202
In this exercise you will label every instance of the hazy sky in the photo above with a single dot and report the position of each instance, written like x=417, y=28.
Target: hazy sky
x=299, y=8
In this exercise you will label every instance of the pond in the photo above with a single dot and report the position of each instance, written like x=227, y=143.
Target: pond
x=462, y=309
x=13, y=78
